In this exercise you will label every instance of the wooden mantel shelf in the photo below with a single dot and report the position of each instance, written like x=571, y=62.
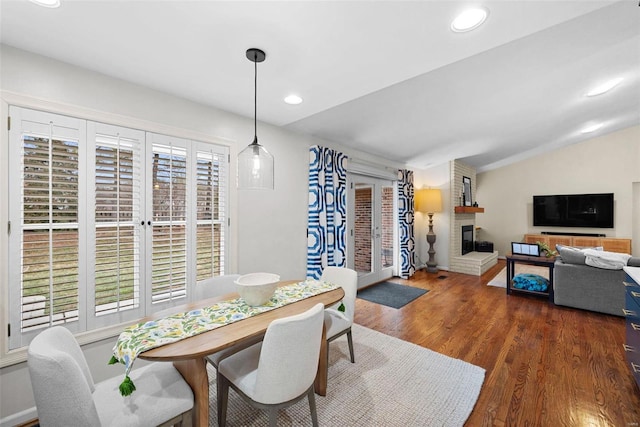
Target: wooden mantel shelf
x=468, y=209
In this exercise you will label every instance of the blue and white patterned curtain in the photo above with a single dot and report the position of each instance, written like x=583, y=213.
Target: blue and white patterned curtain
x=405, y=222
x=327, y=229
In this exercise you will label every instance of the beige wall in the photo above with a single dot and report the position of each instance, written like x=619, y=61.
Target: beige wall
x=434, y=177
x=608, y=164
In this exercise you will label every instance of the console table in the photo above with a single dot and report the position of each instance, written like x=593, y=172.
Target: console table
x=531, y=260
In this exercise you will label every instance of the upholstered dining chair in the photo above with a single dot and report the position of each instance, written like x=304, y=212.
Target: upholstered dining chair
x=277, y=372
x=66, y=394
x=338, y=323
x=215, y=286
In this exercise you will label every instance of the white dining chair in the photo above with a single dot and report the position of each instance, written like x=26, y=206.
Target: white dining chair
x=277, y=372
x=336, y=322
x=215, y=287
x=66, y=395
x=218, y=286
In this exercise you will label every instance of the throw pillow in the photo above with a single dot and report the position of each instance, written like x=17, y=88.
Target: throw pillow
x=530, y=282
x=633, y=262
x=571, y=255
x=605, y=259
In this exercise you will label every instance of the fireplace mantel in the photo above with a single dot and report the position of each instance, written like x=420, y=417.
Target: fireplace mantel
x=468, y=209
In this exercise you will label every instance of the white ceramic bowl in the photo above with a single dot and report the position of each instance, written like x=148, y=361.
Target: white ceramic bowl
x=257, y=288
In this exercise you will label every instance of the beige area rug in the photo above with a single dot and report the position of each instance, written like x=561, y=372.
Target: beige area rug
x=500, y=280
x=392, y=383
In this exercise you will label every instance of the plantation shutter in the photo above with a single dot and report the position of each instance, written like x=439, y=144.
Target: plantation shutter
x=168, y=219
x=211, y=202
x=107, y=224
x=117, y=203
x=44, y=242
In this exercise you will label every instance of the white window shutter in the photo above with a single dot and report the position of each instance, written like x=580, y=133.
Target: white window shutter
x=115, y=223
x=211, y=205
x=169, y=210
x=44, y=243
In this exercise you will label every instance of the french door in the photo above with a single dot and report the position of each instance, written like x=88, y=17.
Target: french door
x=107, y=223
x=372, y=228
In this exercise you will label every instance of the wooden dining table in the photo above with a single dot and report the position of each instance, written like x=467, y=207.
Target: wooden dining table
x=188, y=355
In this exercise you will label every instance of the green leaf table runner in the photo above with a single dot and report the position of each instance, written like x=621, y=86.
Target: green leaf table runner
x=144, y=336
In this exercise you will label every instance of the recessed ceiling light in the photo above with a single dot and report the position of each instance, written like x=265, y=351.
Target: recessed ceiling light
x=47, y=3
x=604, y=87
x=293, y=100
x=591, y=128
x=469, y=20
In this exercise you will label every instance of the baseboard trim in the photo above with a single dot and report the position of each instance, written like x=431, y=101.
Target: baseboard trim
x=19, y=418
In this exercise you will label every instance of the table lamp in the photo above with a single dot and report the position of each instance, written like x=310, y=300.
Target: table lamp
x=429, y=201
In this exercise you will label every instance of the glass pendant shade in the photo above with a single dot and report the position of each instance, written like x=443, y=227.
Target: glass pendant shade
x=255, y=167
x=255, y=163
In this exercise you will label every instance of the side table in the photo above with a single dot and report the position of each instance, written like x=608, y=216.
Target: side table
x=531, y=260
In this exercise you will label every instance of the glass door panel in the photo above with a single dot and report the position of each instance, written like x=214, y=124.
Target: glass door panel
x=363, y=227
x=387, y=226
x=373, y=228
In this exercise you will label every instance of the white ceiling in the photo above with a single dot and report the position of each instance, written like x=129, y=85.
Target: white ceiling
x=385, y=77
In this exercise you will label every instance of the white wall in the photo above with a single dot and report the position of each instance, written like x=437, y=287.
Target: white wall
x=608, y=164
x=268, y=231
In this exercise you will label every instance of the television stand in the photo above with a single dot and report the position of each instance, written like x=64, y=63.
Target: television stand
x=610, y=244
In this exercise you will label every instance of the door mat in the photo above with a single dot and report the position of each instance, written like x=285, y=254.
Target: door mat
x=391, y=294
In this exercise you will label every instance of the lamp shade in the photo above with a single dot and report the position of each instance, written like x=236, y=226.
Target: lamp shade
x=255, y=168
x=428, y=200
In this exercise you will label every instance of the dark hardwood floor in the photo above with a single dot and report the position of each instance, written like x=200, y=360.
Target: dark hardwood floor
x=545, y=365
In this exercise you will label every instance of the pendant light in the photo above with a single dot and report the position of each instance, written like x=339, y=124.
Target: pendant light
x=255, y=164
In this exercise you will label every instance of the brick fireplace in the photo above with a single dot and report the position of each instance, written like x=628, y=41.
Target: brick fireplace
x=465, y=261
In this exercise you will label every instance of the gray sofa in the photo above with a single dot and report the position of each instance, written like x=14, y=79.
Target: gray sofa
x=588, y=288
x=578, y=285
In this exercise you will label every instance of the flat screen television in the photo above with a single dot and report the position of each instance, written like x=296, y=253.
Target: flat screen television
x=574, y=210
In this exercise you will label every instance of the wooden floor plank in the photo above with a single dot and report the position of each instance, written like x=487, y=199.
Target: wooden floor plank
x=546, y=365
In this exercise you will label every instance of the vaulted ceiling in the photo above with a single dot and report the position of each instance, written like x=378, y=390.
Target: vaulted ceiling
x=385, y=77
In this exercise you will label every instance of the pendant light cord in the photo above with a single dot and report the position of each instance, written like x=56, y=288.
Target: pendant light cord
x=255, y=98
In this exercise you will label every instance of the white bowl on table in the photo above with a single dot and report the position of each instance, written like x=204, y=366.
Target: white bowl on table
x=257, y=288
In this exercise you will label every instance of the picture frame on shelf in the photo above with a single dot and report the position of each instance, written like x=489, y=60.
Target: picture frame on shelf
x=466, y=191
